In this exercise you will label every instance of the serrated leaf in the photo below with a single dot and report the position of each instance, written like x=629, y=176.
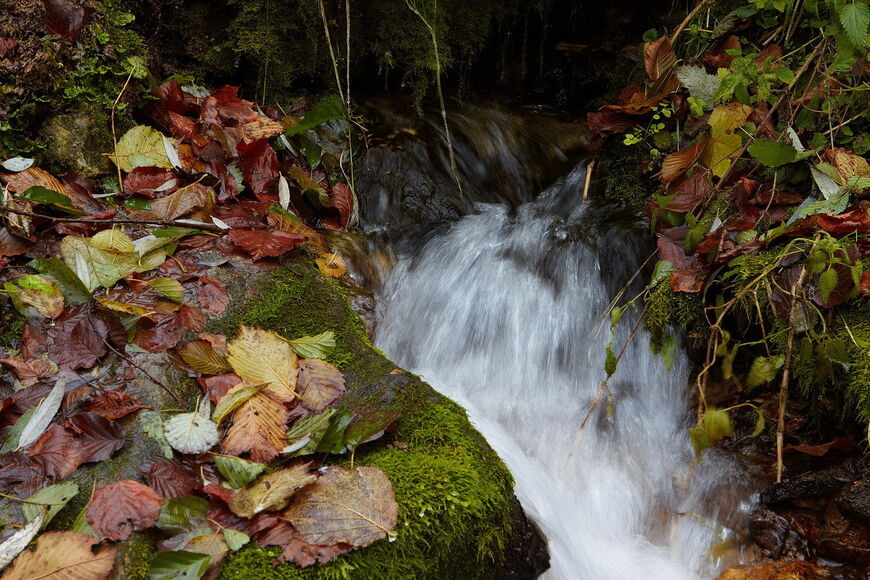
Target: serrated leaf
x=203, y=358
x=305, y=434
x=179, y=564
x=152, y=425
x=96, y=267
x=43, y=415
x=141, y=146
x=826, y=185
x=190, y=433
x=233, y=400
x=318, y=346
x=73, y=288
x=63, y=556
x=699, y=83
x=356, y=507
x=319, y=384
x=764, y=370
x=827, y=282
x=855, y=17
x=235, y=539
x=369, y=426
x=721, y=151
x=258, y=427
x=272, y=491
x=171, y=289
x=772, y=153
x=726, y=119
x=262, y=356
x=53, y=498
x=238, y=472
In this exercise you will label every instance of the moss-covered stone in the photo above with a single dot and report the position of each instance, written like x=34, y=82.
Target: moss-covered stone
x=456, y=504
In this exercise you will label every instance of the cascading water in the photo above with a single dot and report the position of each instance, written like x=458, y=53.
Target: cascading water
x=503, y=313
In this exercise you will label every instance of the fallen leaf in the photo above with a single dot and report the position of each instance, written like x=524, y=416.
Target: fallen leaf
x=317, y=346
x=262, y=356
x=843, y=445
x=296, y=550
x=356, y=507
x=259, y=165
x=676, y=164
x=179, y=564
x=141, y=146
x=64, y=556
x=169, y=478
x=190, y=433
x=43, y=415
x=213, y=296
x=237, y=472
x=319, y=384
x=258, y=429
x=609, y=122
x=64, y=18
x=332, y=265
x=114, y=405
x=16, y=543
x=262, y=243
x=183, y=202
x=119, y=509
x=689, y=192
x=150, y=182
x=233, y=400
x=48, y=501
x=201, y=357
x=272, y=491
x=29, y=371
x=659, y=58
x=857, y=220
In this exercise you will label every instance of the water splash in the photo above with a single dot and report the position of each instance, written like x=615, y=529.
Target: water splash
x=503, y=313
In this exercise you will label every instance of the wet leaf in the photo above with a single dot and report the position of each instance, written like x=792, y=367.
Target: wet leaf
x=41, y=294
x=64, y=18
x=772, y=153
x=41, y=195
x=190, y=433
x=721, y=151
x=141, y=146
x=726, y=119
x=169, y=478
x=259, y=165
x=182, y=514
x=63, y=556
x=29, y=371
x=235, y=539
x=150, y=182
x=237, y=472
x=188, y=199
x=172, y=565
x=262, y=243
x=213, y=296
x=96, y=267
x=356, y=507
x=233, y=400
x=676, y=164
x=332, y=265
x=659, y=58
x=201, y=357
x=714, y=425
x=368, y=426
x=319, y=384
x=317, y=346
x=857, y=220
x=73, y=288
x=43, y=415
x=262, y=356
x=258, y=428
x=327, y=109
x=17, y=164
x=843, y=445
x=764, y=370
x=272, y=491
x=52, y=498
x=114, y=405
x=119, y=509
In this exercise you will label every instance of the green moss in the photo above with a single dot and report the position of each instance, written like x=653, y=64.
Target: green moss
x=455, y=495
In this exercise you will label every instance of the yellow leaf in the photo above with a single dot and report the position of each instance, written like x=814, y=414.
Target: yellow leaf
x=262, y=356
x=63, y=556
x=124, y=308
x=721, y=151
x=113, y=241
x=332, y=265
x=141, y=146
x=272, y=491
x=202, y=357
x=726, y=118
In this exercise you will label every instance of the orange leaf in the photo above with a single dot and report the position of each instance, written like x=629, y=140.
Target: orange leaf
x=678, y=163
x=658, y=58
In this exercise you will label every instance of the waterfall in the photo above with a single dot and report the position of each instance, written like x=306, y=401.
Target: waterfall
x=506, y=313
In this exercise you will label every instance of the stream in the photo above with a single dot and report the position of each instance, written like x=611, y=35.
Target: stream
x=505, y=311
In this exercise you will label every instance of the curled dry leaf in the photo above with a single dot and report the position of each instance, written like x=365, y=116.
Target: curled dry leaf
x=355, y=507
x=120, y=508
x=677, y=163
x=64, y=556
x=272, y=491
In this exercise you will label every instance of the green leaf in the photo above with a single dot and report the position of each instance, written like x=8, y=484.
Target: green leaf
x=610, y=360
x=669, y=351
x=170, y=288
x=56, y=496
x=179, y=564
x=305, y=434
x=318, y=346
x=616, y=315
x=236, y=539
x=855, y=17
x=232, y=401
x=73, y=289
x=80, y=524
x=43, y=415
x=759, y=423
x=827, y=282
x=182, y=514
x=771, y=153
x=365, y=427
x=764, y=370
x=47, y=196
x=96, y=267
x=328, y=109
x=237, y=472
x=152, y=425
x=141, y=146
x=715, y=425
x=190, y=433
x=11, y=443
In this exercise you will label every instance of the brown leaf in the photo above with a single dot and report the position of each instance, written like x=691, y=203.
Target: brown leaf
x=857, y=220
x=356, y=507
x=188, y=199
x=658, y=58
x=84, y=438
x=114, y=405
x=259, y=165
x=689, y=279
x=262, y=128
x=271, y=492
x=262, y=243
x=718, y=57
x=119, y=509
x=676, y=164
x=169, y=478
x=608, y=122
x=58, y=452
x=77, y=340
x=690, y=192
x=159, y=334
x=865, y=283
x=202, y=358
x=32, y=177
x=145, y=180
x=28, y=371
x=258, y=429
x=341, y=199
x=21, y=473
x=213, y=296
x=63, y=556
x=296, y=550
x=332, y=265
x=192, y=318
x=843, y=445
x=12, y=245
x=319, y=384
x=282, y=223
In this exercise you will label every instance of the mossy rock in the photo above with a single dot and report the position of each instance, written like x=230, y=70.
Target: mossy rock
x=458, y=517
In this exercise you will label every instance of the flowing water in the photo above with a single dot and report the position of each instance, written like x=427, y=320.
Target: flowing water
x=504, y=312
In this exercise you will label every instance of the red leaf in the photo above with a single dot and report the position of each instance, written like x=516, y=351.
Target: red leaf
x=144, y=180
x=12, y=245
x=213, y=296
x=224, y=105
x=670, y=246
x=176, y=100
x=677, y=163
x=259, y=165
x=21, y=473
x=192, y=318
x=607, y=122
x=262, y=243
x=97, y=437
x=28, y=371
x=865, y=283
x=120, y=508
x=342, y=200
x=843, y=444
x=65, y=18
x=114, y=405
x=169, y=478
x=182, y=127
x=161, y=334
x=690, y=192
x=58, y=452
x=857, y=220
x=688, y=280
x=218, y=385
x=77, y=339
x=296, y=550
x=717, y=57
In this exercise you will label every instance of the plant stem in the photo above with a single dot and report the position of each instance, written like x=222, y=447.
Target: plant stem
x=207, y=227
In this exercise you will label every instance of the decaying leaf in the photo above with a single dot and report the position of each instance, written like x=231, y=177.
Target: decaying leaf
x=237, y=472
x=19, y=540
x=356, y=507
x=332, y=265
x=63, y=556
x=320, y=384
x=120, y=508
x=272, y=491
x=258, y=428
x=262, y=243
x=676, y=164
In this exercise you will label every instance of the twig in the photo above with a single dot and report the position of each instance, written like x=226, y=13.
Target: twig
x=112, y=122
x=588, y=181
x=783, y=398
x=180, y=224
x=701, y=5
x=331, y=51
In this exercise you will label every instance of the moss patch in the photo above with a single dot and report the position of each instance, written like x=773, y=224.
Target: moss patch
x=455, y=495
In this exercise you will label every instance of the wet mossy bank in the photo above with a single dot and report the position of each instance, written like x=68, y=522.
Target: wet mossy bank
x=458, y=517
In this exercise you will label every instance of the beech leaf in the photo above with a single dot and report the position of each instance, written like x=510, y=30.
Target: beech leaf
x=202, y=357
x=272, y=491
x=320, y=384
x=172, y=565
x=356, y=507
x=190, y=433
x=120, y=508
x=317, y=346
x=233, y=400
x=141, y=146
x=262, y=356
x=63, y=556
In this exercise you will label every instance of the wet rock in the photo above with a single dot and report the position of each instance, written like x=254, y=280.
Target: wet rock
x=788, y=570
x=854, y=501
x=775, y=534
x=818, y=484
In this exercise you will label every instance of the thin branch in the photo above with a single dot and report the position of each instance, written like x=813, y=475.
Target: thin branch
x=180, y=224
